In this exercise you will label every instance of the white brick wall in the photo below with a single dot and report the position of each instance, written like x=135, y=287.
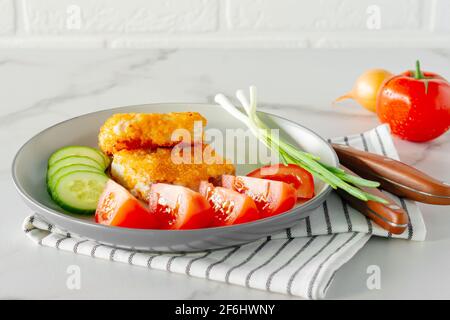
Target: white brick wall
x=224, y=23
x=47, y=17
x=329, y=15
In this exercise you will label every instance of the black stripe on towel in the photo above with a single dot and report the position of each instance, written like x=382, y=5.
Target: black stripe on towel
x=308, y=226
x=410, y=226
x=189, y=265
x=314, y=278
x=171, y=259
x=272, y=275
x=58, y=243
x=112, y=253
x=75, y=247
x=346, y=140
x=229, y=254
x=364, y=141
x=259, y=248
x=292, y=277
x=30, y=222
x=327, y=218
x=94, y=249
x=250, y=274
x=369, y=225
x=150, y=259
x=380, y=141
x=289, y=233
x=130, y=257
x=347, y=215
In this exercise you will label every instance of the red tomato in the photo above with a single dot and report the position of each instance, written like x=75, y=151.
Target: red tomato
x=179, y=207
x=230, y=207
x=292, y=174
x=117, y=207
x=416, y=105
x=271, y=197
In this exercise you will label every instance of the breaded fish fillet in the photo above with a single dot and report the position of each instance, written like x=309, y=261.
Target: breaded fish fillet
x=146, y=130
x=138, y=169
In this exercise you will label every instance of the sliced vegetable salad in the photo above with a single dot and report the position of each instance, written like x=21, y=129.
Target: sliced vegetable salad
x=76, y=178
x=207, y=195
x=77, y=181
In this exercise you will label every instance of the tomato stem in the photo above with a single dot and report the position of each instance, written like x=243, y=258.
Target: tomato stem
x=418, y=74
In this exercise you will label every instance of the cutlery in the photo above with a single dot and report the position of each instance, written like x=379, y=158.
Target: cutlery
x=394, y=176
x=389, y=216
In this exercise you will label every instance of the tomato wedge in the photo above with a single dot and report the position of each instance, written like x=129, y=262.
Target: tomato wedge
x=230, y=207
x=271, y=197
x=117, y=207
x=296, y=176
x=179, y=207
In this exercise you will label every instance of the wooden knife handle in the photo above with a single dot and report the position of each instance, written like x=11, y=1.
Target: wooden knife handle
x=390, y=216
x=395, y=176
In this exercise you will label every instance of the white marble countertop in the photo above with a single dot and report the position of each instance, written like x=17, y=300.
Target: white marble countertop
x=41, y=88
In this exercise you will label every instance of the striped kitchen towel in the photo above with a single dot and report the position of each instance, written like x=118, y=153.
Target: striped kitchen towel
x=300, y=261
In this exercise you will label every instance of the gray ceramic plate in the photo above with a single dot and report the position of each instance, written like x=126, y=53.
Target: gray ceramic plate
x=29, y=170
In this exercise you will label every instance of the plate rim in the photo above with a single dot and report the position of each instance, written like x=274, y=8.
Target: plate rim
x=36, y=205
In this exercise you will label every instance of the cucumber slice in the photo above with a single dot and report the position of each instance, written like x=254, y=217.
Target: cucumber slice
x=79, y=151
x=67, y=169
x=106, y=159
x=71, y=161
x=79, y=191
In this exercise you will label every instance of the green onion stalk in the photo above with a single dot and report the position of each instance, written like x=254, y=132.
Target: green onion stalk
x=289, y=154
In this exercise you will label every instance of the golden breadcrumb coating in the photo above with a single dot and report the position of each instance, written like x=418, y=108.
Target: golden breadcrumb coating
x=138, y=169
x=141, y=130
